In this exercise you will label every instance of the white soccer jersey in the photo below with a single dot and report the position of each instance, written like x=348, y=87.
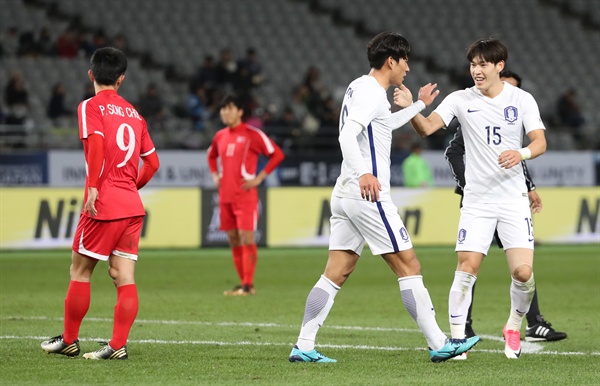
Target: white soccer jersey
x=366, y=102
x=491, y=126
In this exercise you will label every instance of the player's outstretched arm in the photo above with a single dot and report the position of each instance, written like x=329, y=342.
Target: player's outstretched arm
x=427, y=126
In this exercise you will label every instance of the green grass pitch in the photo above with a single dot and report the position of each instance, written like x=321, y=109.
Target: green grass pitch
x=187, y=332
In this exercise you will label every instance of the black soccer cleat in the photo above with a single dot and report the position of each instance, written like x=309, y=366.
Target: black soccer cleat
x=542, y=331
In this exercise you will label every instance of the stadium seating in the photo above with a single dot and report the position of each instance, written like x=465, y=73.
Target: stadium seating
x=552, y=51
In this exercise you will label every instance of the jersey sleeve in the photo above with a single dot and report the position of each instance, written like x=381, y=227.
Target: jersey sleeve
x=366, y=105
x=448, y=109
x=532, y=119
x=90, y=119
x=213, y=154
x=147, y=146
x=262, y=143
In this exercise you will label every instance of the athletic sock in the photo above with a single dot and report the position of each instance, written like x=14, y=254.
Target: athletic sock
x=77, y=303
x=469, y=318
x=534, y=310
x=417, y=301
x=250, y=258
x=521, y=295
x=126, y=310
x=237, y=253
x=459, y=301
x=318, y=304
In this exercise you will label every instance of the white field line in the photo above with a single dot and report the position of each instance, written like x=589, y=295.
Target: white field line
x=527, y=347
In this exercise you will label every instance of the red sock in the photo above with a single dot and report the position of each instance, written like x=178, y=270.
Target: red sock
x=238, y=260
x=125, y=312
x=250, y=257
x=77, y=303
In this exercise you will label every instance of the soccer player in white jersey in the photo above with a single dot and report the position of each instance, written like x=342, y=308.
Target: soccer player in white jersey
x=492, y=115
x=361, y=205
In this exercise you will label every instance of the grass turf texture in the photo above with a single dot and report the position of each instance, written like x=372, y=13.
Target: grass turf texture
x=187, y=332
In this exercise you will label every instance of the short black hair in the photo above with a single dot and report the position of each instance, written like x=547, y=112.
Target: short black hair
x=490, y=50
x=510, y=74
x=108, y=64
x=387, y=44
x=233, y=99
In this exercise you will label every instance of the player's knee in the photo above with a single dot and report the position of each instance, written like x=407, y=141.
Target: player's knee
x=523, y=273
x=113, y=273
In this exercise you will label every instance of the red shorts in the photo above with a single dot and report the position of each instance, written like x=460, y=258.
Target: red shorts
x=235, y=215
x=100, y=239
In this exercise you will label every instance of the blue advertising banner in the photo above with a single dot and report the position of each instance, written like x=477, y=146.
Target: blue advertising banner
x=24, y=169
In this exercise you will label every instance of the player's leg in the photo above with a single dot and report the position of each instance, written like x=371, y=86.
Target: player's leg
x=121, y=269
x=77, y=303
x=469, y=332
x=516, y=232
x=86, y=251
x=386, y=235
x=228, y=225
x=246, y=215
x=476, y=228
x=345, y=245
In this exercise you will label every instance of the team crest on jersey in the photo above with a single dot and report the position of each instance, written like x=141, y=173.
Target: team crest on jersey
x=404, y=234
x=462, y=235
x=511, y=114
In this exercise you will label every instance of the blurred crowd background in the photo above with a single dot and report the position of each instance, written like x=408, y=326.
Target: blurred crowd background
x=290, y=59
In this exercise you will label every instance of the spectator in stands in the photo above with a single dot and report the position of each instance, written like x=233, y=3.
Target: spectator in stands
x=45, y=42
x=227, y=69
x=284, y=128
x=10, y=42
x=197, y=108
x=151, y=107
x=57, y=108
x=27, y=46
x=207, y=74
x=569, y=112
x=16, y=99
x=316, y=90
x=249, y=71
x=99, y=40
x=67, y=44
x=88, y=91
x=416, y=171
x=120, y=42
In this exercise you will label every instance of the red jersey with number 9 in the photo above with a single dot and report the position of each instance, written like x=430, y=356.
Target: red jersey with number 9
x=126, y=139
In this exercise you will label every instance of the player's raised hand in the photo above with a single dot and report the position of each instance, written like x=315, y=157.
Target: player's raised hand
x=402, y=96
x=428, y=93
x=369, y=187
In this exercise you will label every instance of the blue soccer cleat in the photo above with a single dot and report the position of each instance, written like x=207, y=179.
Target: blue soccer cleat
x=452, y=348
x=309, y=356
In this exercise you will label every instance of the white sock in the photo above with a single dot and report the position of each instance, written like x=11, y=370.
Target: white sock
x=418, y=304
x=318, y=305
x=521, y=295
x=459, y=302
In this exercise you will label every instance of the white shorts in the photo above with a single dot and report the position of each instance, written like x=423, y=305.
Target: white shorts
x=354, y=222
x=478, y=222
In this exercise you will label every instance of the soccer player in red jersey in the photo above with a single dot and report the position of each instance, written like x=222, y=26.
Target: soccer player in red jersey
x=114, y=138
x=238, y=147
